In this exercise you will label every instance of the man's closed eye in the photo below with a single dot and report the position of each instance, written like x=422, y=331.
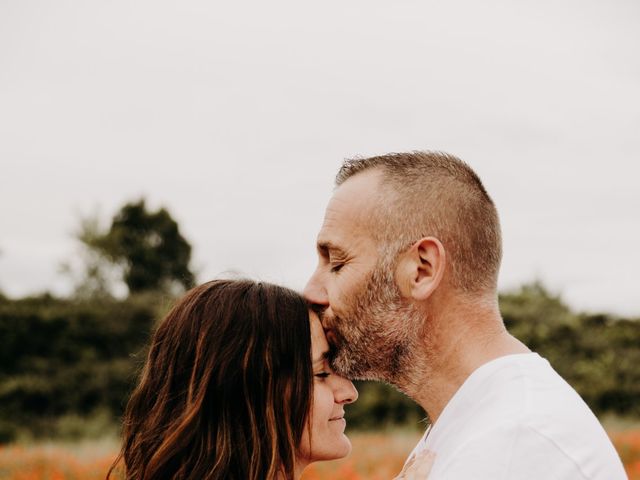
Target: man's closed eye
x=335, y=268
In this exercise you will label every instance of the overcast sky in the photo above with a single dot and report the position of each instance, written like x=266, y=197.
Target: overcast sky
x=236, y=116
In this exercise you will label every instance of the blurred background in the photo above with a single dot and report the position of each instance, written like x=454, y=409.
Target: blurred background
x=149, y=146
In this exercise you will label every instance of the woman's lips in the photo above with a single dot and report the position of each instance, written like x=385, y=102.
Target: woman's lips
x=340, y=422
x=337, y=417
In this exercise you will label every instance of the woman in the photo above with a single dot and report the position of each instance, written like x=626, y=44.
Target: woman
x=236, y=385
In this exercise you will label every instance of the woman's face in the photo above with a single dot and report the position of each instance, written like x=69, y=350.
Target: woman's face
x=323, y=437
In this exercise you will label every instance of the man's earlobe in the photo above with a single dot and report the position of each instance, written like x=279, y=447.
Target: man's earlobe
x=422, y=268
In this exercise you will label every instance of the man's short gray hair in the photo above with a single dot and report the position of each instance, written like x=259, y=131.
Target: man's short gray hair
x=435, y=194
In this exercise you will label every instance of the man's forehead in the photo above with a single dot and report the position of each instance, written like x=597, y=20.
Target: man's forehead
x=360, y=185
x=349, y=213
x=353, y=201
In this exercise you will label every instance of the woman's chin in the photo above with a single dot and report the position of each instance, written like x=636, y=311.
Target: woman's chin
x=342, y=448
x=347, y=446
x=337, y=450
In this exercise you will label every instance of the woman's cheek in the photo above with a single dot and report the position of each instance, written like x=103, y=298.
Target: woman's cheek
x=319, y=402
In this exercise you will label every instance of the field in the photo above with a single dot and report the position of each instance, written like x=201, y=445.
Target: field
x=375, y=456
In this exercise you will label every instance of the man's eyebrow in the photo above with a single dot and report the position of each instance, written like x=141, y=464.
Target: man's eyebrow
x=325, y=247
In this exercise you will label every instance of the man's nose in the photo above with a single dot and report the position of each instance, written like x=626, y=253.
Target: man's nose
x=314, y=292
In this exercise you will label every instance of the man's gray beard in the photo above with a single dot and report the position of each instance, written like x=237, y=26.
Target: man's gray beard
x=375, y=337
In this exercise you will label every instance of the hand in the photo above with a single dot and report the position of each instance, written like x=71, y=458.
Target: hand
x=418, y=467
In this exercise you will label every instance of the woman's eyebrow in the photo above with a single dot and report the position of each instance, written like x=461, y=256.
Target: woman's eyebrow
x=322, y=357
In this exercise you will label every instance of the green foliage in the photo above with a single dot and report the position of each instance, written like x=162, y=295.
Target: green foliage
x=380, y=405
x=68, y=366
x=599, y=355
x=63, y=359
x=146, y=247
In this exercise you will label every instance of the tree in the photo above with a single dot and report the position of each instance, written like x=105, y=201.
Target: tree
x=146, y=247
x=94, y=276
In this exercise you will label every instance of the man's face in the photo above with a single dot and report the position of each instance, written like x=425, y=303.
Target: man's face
x=354, y=287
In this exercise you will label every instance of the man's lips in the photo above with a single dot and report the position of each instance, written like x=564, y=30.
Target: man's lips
x=331, y=336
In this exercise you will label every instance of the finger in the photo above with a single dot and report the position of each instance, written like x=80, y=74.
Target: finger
x=420, y=467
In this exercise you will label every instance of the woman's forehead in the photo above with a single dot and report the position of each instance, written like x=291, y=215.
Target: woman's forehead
x=319, y=344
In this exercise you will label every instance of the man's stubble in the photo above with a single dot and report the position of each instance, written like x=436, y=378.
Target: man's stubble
x=376, y=336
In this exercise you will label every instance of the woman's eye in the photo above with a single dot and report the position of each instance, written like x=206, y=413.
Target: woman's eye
x=322, y=374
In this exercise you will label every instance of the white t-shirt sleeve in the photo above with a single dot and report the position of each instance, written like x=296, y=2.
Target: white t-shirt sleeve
x=508, y=451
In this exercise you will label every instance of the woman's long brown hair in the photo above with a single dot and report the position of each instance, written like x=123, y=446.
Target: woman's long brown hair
x=226, y=388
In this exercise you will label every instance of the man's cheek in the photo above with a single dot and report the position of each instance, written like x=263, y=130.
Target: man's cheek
x=334, y=295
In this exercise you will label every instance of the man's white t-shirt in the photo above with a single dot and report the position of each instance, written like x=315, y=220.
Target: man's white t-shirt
x=516, y=418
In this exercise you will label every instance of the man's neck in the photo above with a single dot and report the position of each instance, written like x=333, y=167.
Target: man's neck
x=457, y=344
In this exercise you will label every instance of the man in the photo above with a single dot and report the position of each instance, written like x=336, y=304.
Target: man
x=406, y=286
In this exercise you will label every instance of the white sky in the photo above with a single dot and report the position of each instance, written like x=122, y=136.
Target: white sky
x=236, y=116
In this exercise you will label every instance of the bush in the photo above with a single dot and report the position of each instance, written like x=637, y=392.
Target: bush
x=61, y=358
x=68, y=367
x=597, y=354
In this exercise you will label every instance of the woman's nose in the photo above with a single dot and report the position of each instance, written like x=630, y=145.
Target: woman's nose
x=345, y=392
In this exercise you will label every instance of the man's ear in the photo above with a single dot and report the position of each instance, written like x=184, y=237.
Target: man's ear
x=421, y=269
